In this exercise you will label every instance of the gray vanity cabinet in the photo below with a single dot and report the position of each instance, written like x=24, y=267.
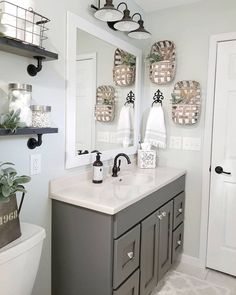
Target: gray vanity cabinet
x=122, y=254
x=149, y=258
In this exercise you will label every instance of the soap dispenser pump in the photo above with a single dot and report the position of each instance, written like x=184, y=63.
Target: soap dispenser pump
x=98, y=169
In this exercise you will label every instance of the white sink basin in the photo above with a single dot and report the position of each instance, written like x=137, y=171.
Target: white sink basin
x=133, y=179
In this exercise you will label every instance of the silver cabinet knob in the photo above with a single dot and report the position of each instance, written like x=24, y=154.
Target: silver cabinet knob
x=179, y=243
x=164, y=214
x=130, y=255
x=160, y=216
x=180, y=210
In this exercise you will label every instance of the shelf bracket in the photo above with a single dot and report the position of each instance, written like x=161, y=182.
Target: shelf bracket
x=34, y=70
x=33, y=143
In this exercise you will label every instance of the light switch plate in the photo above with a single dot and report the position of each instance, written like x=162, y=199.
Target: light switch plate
x=192, y=143
x=175, y=142
x=35, y=164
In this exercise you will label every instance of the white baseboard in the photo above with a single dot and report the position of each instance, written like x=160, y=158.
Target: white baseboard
x=190, y=260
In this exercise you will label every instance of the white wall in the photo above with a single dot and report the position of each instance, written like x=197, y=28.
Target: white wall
x=48, y=89
x=190, y=28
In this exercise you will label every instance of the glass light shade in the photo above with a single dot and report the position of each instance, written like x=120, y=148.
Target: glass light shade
x=126, y=25
x=140, y=33
x=108, y=14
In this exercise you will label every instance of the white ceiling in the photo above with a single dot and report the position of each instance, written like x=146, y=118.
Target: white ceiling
x=152, y=5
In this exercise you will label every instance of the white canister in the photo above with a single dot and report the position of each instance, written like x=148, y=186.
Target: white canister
x=20, y=96
x=41, y=116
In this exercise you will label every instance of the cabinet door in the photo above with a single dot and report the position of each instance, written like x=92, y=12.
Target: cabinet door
x=149, y=254
x=165, y=216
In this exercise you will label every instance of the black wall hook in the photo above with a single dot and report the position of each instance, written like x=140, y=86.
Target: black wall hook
x=130, y=99
x=33, y=143
x=32, y=69
x=158, y=97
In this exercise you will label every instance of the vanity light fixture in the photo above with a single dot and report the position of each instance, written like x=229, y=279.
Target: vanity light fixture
x=139, y=33
x=126, y=24
x=121, y=21
x=108, y=13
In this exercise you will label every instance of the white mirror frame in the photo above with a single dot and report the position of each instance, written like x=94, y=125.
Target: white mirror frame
x=75, y=22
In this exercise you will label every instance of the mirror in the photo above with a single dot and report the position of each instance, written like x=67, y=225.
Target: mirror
x=103, y=88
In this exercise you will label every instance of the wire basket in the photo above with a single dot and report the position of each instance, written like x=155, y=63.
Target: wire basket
x=22, y=24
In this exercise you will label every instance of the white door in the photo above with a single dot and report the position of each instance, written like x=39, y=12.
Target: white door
x=221, y=254
x=85, y=102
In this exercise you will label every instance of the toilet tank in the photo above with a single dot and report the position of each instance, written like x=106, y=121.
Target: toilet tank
x=19, y=261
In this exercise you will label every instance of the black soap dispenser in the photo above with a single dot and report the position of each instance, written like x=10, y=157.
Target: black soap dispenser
x=98, y=169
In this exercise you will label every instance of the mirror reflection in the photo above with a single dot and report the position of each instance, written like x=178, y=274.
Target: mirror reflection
x=105, y=95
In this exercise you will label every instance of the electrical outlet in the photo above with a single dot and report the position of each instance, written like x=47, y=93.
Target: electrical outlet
x=35, y=164
x=192, y=143
x=175, y=142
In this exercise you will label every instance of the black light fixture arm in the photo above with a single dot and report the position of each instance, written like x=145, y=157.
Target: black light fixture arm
x=33, y=143
x=126, y=6
x=96, y=7
x=137, y=13
x=32, y=69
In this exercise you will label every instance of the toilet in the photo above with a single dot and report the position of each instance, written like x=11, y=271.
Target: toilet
x=19, y=261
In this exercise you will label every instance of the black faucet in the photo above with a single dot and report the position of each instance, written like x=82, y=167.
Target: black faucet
x=116, y=168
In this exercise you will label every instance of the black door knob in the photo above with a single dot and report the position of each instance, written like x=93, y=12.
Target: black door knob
x=220, y=170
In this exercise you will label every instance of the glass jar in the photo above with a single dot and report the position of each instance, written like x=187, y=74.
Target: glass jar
x=41, y=116
x=20, y=96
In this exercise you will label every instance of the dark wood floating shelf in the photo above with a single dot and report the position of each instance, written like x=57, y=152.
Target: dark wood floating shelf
x=32, y=142
x=26, y=50
x=28, y=131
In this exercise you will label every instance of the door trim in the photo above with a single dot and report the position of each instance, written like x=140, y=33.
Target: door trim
x=207, y=142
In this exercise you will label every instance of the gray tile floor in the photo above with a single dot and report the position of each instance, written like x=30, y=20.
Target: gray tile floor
x=189, y=280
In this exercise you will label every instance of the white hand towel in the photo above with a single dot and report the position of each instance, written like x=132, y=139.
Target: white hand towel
x=125, y=128
x=156, y=130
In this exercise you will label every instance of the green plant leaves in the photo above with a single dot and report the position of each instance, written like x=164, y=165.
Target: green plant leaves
x=6, y=191
x=10, y=183
x=11, y=121
x=154, y=57
x=128, y=59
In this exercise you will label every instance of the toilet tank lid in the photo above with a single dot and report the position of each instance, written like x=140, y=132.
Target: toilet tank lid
x=31, y=236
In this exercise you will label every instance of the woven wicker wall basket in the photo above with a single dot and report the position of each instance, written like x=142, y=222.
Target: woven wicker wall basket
x=105, y=104
x=186, y=102
x=163, y=72
x=123, y=75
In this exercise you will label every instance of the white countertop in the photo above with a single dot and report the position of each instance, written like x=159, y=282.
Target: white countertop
x=114, y=194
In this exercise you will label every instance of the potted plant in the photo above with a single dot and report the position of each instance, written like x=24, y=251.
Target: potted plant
x=10, y=184
x=124, y=68
x=128, y=59
x=153, y=57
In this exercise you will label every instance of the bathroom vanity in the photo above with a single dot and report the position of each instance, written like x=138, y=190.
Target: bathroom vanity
x=118, y=238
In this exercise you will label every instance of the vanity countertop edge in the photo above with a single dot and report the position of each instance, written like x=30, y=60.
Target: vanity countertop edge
x=110, y=198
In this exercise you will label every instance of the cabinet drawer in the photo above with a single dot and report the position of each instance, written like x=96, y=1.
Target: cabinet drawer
x=178, y=239
x=126, y=255
x=130, y=287
x=178, y=209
